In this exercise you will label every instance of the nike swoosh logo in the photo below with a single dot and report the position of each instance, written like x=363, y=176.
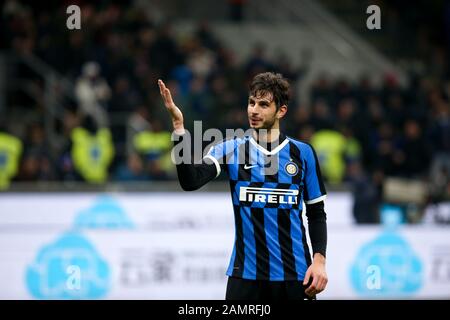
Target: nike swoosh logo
x=249, y=167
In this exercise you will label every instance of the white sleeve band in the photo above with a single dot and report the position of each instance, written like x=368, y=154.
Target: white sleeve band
x=321, y=198
x=216, y=163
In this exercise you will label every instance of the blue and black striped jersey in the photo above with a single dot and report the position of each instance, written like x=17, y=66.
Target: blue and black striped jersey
x=267, y=190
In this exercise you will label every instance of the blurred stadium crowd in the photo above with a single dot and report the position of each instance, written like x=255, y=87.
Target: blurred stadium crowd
x=363, y=132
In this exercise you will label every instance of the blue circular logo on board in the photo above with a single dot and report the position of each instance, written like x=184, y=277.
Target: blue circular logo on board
x=387, y=266
x=68, y=268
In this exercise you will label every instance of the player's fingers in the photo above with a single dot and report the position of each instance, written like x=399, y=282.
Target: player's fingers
x=312, y=289
x=161, y=87
x=168, y=96
x=320, y=285
x=307, y=276
x=165, y=93
x=324, y=283
x=315, y=283
x=162, y=91
x=310, y=292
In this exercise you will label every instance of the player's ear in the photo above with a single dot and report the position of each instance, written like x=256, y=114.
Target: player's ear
x=281, y=111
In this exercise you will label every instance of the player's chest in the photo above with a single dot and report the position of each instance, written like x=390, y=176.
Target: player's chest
x=280, y=167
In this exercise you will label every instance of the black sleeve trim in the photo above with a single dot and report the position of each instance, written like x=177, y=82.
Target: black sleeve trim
x=317, y=226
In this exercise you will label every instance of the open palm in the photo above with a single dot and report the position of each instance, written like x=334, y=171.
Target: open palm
x=175, y=112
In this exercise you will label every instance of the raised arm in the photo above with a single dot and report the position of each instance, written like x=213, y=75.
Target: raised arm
x=175, y=112
x=191, y=176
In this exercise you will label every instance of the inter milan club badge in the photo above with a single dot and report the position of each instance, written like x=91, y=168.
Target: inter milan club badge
x=291, y=168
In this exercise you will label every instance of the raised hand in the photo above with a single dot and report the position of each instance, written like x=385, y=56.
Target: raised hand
x=175, y=112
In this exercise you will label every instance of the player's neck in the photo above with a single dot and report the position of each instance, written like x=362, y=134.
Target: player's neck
x=267, y=136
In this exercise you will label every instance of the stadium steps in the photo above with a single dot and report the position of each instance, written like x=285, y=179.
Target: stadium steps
x=293, y=26
x=46, y=89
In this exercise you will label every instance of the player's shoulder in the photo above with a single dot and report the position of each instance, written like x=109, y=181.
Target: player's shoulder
x=234, y=140
x=228, y=144
x=304, y=147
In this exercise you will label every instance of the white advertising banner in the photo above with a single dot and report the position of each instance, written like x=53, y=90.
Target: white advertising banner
x=375, y=262
x=146, y=210
x=177, y=246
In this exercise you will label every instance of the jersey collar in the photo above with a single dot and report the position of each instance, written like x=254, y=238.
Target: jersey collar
x=273, y=151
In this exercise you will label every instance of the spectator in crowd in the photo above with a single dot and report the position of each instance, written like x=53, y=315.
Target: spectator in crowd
x=37, y=162
x=139, y=121
x=440, y=142
x=92, y=151
x=414, y=151
x=366, y=194
x=10, y=152
x=93, y=93
x=132, y=170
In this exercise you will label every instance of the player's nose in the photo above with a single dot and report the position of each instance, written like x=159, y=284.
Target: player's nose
x=254, y=115
x=254, y=110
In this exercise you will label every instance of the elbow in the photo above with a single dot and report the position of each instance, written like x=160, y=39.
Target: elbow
x=188, y=187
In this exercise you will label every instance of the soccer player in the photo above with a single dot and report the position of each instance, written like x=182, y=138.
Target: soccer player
x=271, y=257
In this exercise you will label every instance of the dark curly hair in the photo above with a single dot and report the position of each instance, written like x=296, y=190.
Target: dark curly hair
x=273, y=83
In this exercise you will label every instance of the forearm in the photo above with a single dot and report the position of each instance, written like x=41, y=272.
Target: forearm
x=193, y=176
x=317, y=226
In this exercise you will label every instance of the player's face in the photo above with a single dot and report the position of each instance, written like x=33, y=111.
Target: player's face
x=262, y=112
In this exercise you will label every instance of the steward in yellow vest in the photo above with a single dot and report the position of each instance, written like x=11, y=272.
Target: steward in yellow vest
x=10, y=151
x=332, y=149
x=92, y=153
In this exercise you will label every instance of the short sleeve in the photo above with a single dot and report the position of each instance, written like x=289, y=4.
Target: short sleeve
x=314, y=189
x=218, y=154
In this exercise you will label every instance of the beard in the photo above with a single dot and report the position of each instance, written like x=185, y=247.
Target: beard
x=266, y=125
